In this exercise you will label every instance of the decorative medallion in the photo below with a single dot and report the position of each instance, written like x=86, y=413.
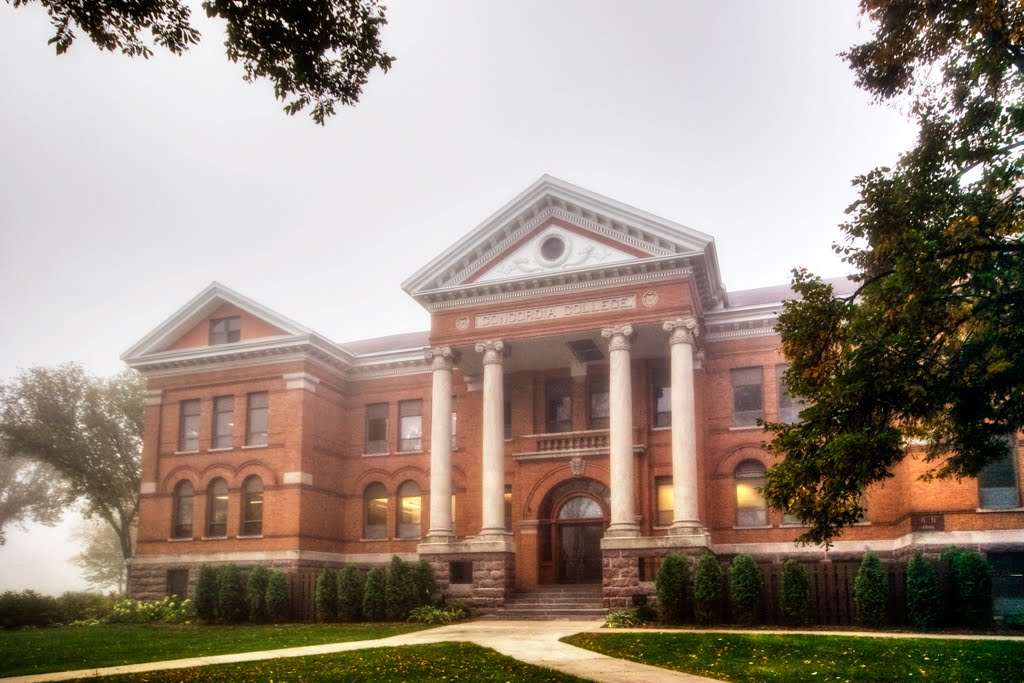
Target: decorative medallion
x=462, y=323
x=576, y=465
x=650, y=299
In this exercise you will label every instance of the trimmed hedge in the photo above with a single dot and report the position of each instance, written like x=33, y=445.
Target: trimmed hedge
x=923, y=597
x=707, y=589
x=745, y=585
x=373, y=596
x=796, y=594
x=327, y=596
x=871, y=592
x=350, y=594
x=256, y=593
x=672, y=586
x=972, y=581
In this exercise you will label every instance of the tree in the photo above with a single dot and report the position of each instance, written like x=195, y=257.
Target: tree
x=930, y=345
x=871, y=592
x=101, y=560
x=86, y=428
x=28, y=491
x=315, y=53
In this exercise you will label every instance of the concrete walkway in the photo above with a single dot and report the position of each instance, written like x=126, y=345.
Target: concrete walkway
x=533, y=642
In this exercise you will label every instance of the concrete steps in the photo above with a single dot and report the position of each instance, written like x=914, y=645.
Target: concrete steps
x=555, y=602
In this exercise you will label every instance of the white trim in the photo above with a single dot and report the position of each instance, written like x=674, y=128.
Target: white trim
x=154, y=397
x=916, y=538
x=147, y=487
x=301, y=380
x=271, y=556
x=305, y=478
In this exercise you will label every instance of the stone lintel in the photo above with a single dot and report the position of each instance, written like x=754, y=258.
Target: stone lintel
x=655, y=542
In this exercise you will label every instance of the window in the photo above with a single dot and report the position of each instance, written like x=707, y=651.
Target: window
x=410, y=503
x=377, y=428
x=460, y=571
x=252, y=506
x=177, y=582
x=598, y=402
x=256, y=422
x=410, y=425
x=665, y=501
x=455, y=424
x=507, y=410
x=747, y=405
x=997, y=481
x=184, y=504
x=217, y=508
x=508, y=507
x=662, y=399
x=558, y=394
x=188, y=426
x=789, y=408
x=751, y=508
x=375, y=511
x=223, y=421
x=225, y=330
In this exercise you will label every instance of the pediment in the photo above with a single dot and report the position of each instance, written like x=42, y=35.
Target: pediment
x=596, y=234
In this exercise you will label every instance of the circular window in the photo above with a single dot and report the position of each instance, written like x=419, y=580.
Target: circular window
x=552, y=248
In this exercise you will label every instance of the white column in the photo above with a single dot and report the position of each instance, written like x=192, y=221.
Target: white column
x=442, y=359
x=620, y=436
x=493, y=455
x=683, y=336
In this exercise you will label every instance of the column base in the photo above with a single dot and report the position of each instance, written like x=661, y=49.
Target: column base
x=622, y=530
x=439, y=538
x=687, y=528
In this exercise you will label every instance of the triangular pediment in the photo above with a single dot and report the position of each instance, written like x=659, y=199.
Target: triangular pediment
x=189, y=327
x=554, y=228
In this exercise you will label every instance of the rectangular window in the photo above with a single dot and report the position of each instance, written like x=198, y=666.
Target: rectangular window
x=410, y=425
x=177, y=582
x=225, y=330
x=789, y=408
x=662, y=399
x=997, y=481
x=460, y=571
x=256, y=419
x=508, y=415
x=377, y=428
x=597, y=390
x=508, y=507
x=223, y=421
x=747, y=403
x=455, y=425
x=665, y=502
x=188, y=426
x=558, y=396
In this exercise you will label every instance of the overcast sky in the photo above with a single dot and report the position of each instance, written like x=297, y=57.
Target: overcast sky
x=128, y=186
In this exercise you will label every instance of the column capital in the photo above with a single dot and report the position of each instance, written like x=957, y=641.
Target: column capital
x=683, y=330
x=441, y=357
x=494, y=351
x=618, y=337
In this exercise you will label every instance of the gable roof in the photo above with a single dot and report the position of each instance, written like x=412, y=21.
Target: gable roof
x=638, y=241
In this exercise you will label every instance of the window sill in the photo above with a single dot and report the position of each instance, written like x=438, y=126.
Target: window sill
x=256, y=445
x=662, y=429
x=213, y=538
x=180, y=540
x=744, y=428
x=766, y=526
x=373, y=540
x=242, y=538
x=408, y=538
x=186, y=452
x=224, y=448
x=375, y=455
x=416, y=452
x=991, y=510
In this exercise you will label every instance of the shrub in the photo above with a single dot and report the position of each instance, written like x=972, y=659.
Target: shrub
x=170, y=610
x=796, y=594
x=871, y=591
x=424, y=583
x=745, y=584
x=644, y=612
x=428, y=614
x=231, y=603
x=922, y=593
x=256, y=594
x=207, y=587
x=672, y=585
x=1014, y=620
x=82, y=607
x=327, y=596
x=972, y=580
x=373, y=595
x=27, y=608
x=461, y=609
x=399, y=590
x=623, y=618
x=707, y=589
x=350, y=594
x=277, y=596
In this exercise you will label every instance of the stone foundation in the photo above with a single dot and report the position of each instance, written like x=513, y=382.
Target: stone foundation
x=621, y=559
x=492, y=577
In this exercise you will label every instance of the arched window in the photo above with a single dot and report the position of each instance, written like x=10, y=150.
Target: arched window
x=410, y=503
x=252, y=506
x=184, y=503
x=217, y=508
x=375, y=511
x=580, y=507
x=751, y=508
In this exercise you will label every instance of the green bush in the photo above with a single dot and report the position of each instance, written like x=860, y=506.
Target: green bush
x=170, y=610
x=373, y=595
x=256, y=594
x=277, y=600
x=76, y=606
x=428, y=614
x=623, y=618
x=350, y=594
x=745, y=584
x=1014, y=620
x=795, y=598
x=972, y=580
x=207, y=588
x=424, y=582
x=707, y=589
x=871, y=591
x=459, y=608
x=399, y=590
x=923, y=598
x=231, y=602
x=327, y=596
x=672, y=586
x=27, y=608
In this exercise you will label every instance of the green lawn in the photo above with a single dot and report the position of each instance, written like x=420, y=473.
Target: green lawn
x=30, y=651
x=434, y=662
x=806, y=658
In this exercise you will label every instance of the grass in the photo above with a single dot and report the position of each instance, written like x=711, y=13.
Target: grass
x=433, y=662
x=64, y=648
x=753, y=657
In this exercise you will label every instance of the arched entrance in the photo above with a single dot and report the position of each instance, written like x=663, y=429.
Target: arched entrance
x=573, y=517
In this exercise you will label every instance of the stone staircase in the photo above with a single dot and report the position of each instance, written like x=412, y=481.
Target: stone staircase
x=581, y=601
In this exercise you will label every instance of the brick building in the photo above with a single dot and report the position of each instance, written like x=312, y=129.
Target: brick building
x=585, y=401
